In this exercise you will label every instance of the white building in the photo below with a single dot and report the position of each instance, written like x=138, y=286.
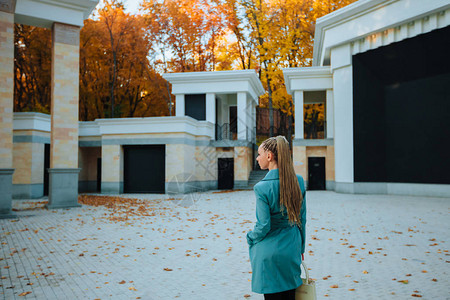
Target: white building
x=382, y=69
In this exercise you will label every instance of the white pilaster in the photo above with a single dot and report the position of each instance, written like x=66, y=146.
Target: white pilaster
x=211, y=107
x=241, y=116
x=298, y=102
x=330, y=114
x=343, y=120
x=179, y=105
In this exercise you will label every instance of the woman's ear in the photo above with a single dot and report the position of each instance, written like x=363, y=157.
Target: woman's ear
x=269, y=156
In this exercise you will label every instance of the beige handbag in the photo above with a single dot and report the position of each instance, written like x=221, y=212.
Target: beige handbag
x=307, y=291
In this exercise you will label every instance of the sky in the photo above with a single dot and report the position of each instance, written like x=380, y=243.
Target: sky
x=131, y=6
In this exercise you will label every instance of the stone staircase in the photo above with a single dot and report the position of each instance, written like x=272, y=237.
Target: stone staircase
x=255, y=177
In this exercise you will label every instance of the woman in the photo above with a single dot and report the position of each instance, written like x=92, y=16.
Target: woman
x=277, y=242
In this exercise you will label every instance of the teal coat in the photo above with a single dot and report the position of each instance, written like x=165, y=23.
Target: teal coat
x=275, y=246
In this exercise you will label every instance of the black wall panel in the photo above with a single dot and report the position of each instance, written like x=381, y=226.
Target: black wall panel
x=401, y=111
x=195, y=106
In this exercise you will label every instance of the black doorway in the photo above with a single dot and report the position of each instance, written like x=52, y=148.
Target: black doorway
x=99, y=174
x=144, y=169
x=46, y=166
x=226, y=173
x=316, y=173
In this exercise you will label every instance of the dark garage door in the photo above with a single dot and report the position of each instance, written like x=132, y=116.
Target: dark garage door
x=144, y=169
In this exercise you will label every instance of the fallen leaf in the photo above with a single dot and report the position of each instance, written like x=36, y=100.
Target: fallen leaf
x=167, y=269
x=416, y=295
x=122, y=282
x=334, y=286
x=24, y=293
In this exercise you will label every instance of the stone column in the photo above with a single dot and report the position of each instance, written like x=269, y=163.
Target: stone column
x=63, y=172
x=341, y=63
x=211, y=108
x=179, y=105
x=330, y=114
x=298, y=102
x=6, y=106
x=241, y=115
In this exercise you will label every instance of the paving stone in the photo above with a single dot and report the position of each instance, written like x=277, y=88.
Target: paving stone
x=367, y=245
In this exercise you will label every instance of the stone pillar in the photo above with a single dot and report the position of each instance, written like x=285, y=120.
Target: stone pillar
x=341, y=62
x=211, y=108
x=112, y=169
x=6, y=106
x=241, y=115
x=330, y=114
x=63, y=172
x=298, y=102
x=179, y=105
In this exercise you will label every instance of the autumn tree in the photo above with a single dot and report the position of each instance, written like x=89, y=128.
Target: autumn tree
x=187, y=33
x=116, y=77
x=32, y=68
x=283, y=31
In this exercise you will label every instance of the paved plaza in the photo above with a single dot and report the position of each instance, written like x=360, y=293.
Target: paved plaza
x=358, y=247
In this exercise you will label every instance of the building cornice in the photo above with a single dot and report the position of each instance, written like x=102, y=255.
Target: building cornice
x=226, y=82
x=384, y=15
x=44, y=13
x=305, y=73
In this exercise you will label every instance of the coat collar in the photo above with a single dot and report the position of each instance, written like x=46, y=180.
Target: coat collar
x=271, y=175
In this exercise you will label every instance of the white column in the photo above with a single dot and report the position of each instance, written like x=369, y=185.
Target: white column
x=253, y=123
x=343, y=113
x=179, y=105
x=298, y=102
x=330, y=115
x=241, y=116
x=211, y=107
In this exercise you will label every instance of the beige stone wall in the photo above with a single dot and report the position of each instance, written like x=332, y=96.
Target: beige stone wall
x=64, y=107
x=226, y=152
x=242, y=163
x=182, y=164
x=37, y=166
x=6, y=88
x=87, y=162
x=22, y=161
x=206, y=163
x=329, y=164
x=35, y=133
x=301, y=154
x=28, y=158
x=112, y=163
x=175, y=165
x=300, y=161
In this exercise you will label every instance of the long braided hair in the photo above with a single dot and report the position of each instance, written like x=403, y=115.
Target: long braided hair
x=290, y=194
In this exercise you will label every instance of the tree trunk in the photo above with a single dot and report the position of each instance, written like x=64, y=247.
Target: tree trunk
x=269, y=89
x=113, y=82
x=170, y=98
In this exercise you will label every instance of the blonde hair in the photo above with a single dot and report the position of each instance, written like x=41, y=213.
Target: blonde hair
x=291, y=197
